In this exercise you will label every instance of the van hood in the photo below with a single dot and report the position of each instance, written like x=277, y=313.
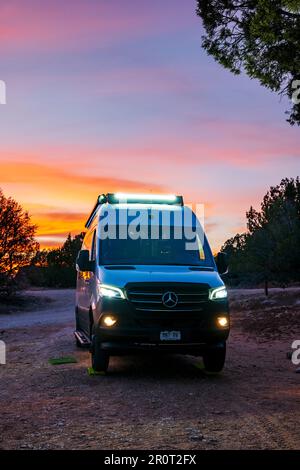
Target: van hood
x=120, y=277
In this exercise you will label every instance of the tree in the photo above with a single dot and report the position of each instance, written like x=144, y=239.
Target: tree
x=270, y=248
x=17, y=243
x=67, y=254
x=56, y=267
x=260, y=37
x=278, y=226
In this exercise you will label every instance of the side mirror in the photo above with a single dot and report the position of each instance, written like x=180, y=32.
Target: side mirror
x=83, y=262
x=222, y=262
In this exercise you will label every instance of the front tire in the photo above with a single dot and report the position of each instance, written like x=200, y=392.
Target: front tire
x=100, y=358
x=214, y=358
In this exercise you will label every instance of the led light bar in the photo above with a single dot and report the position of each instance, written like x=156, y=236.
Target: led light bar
x=116, y=198
x=146, y=197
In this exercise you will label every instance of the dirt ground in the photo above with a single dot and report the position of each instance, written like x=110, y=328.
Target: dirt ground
x=151, y=402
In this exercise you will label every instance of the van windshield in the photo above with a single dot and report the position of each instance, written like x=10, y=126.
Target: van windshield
x=158, y=251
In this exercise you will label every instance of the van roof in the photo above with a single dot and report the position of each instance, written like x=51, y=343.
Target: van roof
x=125, y=200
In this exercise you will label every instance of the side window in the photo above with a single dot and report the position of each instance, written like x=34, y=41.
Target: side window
x=94, y=240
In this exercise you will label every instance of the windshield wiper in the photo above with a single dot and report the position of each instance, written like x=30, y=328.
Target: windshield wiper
x=201, y=268
x=121, y=266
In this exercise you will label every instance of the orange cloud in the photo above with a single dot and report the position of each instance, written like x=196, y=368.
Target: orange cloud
x=64, y=198
x=58, y=224
x=56, y=181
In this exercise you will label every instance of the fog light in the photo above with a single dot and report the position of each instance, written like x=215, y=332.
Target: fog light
x=222, y=321
x=109, y=320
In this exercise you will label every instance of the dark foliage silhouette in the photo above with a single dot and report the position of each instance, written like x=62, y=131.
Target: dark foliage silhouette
x=17, y=243
x=260, y=37
x=269, y=250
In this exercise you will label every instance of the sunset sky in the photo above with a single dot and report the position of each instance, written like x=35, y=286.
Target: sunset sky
x=119, y=96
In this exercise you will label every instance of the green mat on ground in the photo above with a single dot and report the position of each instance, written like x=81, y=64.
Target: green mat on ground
x=91, y=371
x=54, y=361
x=199, y=365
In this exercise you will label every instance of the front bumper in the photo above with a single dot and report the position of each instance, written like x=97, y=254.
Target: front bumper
x=141, y=332
x=124, y=348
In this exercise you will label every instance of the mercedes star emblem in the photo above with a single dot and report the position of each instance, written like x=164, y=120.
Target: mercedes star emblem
x=170, y=299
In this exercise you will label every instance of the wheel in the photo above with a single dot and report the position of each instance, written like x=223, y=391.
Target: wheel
x=214, y=358
x=100, y=358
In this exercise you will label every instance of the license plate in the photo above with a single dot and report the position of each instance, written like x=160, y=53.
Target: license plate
x=170, y=335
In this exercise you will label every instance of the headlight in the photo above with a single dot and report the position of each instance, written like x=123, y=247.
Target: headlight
x=111, y=292
x=218, y=293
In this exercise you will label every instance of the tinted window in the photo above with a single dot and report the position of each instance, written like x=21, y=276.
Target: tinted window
x=159, y=251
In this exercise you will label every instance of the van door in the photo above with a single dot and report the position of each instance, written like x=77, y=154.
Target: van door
x=85, y=283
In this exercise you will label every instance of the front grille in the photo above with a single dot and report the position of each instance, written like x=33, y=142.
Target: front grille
x=148, y=297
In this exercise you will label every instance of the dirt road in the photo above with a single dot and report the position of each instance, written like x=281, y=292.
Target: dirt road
x=151, y=403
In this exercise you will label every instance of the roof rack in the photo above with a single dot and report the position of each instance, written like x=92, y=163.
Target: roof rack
x=102, y=198
x=116, y=198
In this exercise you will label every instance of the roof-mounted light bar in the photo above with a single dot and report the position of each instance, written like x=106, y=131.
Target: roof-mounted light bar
x=150, y=198
x=116, y=198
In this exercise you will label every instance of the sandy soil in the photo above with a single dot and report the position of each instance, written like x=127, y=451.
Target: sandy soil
x=151, y=402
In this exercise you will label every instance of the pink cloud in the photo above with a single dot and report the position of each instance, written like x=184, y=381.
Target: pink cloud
x=55, y=25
